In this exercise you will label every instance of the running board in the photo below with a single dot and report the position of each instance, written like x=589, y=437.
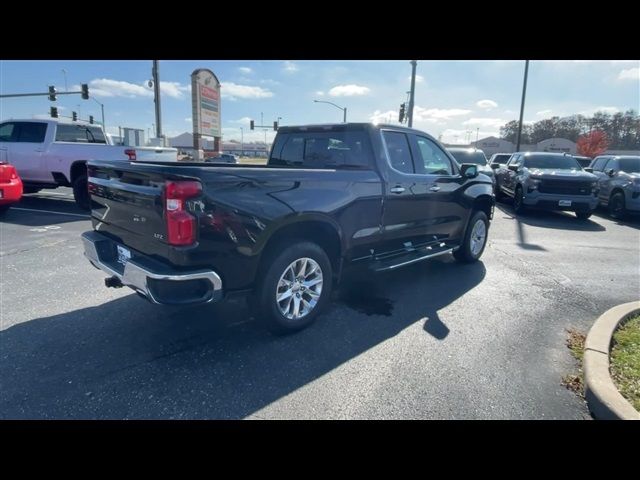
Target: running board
x=385, y=265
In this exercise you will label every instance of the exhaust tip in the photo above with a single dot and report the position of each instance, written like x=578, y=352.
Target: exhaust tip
x=113, y=282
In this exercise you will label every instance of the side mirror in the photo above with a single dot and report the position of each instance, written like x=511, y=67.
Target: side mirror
x=469, y=170
x=495, y=166
x=513, y=168
x=588, y=169
x=611, y=172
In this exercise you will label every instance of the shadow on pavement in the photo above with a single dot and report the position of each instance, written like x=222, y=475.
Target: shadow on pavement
x=49, y=204
x=129, y=359
x=631, y=220
x=551, y=219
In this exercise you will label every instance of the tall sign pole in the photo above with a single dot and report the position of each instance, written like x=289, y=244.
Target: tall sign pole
x=206, y=109
x=524, y=93
x=156, y=97
x=413, y=91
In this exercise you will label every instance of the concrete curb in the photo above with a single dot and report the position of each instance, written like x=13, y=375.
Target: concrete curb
x=604, y=400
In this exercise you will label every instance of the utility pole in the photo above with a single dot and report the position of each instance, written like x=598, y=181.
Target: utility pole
x=413, y=91
x=477, y=133
x=241, y=141
x=156, y=97
x=64, y=72
x=524, y=92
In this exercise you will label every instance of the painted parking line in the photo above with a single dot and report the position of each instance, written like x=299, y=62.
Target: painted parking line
x=50, y=211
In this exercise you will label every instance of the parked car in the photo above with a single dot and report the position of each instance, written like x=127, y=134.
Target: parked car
x=583, y=161
x=551, y=181
x=331, y=198
x=224, y=158
x=473, y=155
x=618, y=183
x=51, y=153
x=498, y=159
x=10, y=186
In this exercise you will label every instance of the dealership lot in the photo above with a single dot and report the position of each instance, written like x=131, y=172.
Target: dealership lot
x=433, y=340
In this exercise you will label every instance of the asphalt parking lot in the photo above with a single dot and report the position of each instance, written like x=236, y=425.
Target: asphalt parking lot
x=436, y=340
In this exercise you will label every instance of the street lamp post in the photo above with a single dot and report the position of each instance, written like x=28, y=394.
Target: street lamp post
x=102, y=109
x=241, y=141
x=64, y=72
x=524, y=92
x=344, y=109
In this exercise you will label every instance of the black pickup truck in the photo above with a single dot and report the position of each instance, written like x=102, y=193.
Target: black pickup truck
x=331, y=197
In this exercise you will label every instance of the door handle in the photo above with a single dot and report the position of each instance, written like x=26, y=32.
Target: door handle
x=397, y=189
x=434, y=188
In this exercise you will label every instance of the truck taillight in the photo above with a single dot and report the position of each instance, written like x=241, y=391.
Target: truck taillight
x=131, y=153
x=181, y=225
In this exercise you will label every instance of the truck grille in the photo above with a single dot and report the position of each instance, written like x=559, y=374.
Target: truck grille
x=565, y=187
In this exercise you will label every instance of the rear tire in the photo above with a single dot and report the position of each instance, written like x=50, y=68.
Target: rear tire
x=617, y=208
x=4, y=209
x=475, y=239
x=81, y=192
x=283, y=274
x=583, y=215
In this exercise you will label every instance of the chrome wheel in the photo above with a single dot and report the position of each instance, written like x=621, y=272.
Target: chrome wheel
x=478, y=237
x=299, y=288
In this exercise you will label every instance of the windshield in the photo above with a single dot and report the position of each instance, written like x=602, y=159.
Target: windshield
x=630, y=165
x=469, y=156
x=558, y=162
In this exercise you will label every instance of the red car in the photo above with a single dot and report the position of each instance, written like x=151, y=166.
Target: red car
x=10, y=186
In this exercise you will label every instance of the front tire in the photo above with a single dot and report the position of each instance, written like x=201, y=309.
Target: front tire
x=81, y=192
x=294, y=287
x=475, y=239
x=617, y=207
x=518, y=201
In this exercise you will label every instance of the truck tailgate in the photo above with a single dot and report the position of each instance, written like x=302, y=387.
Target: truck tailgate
x=127, y=202
x=156, y=154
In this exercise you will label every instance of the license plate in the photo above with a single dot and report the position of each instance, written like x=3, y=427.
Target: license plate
x=564, y=203
x=124, y=254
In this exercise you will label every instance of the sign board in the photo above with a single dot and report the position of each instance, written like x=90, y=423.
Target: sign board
x=205, y=98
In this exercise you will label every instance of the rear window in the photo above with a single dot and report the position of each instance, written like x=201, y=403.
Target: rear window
x=79, y=134
x=501, y=159
x=321, y=150
x=469, y=156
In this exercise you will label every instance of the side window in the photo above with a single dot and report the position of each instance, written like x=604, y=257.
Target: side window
x=399, y=151
x=598, y=165
x=7, y=132
x=293, y=151
x=31, y=132
x=435, y=161
x=612, y=163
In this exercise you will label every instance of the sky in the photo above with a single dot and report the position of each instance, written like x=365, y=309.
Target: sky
x=455, y=100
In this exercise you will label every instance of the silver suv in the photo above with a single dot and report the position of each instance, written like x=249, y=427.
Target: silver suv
x=550, y=181
x=618, y=182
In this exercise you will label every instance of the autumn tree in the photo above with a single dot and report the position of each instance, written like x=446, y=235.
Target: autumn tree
x=593, y=144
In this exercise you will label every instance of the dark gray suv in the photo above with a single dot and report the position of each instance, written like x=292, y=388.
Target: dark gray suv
x=618, y=182
x=550, y=181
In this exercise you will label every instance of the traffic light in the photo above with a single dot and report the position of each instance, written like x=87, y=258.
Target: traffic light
x=54, y=112
x=402, y=114
x=90, y=118
x=74, y=116
x=52, y=93
x=85, y=91
x=251, y=124
x=275, y=126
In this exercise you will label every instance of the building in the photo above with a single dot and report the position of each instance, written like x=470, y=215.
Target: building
x=184, y=143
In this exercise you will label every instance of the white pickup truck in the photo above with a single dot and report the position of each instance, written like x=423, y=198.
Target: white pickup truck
x=50, y=153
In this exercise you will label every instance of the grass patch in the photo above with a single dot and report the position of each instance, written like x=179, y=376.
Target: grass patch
x=575, y=343
x=625, y=361
x=253, y=160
